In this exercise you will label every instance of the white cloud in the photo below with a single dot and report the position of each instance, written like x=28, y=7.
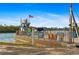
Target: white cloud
x=9, y=21
x=77, y=20
x=53, y=15
x=42, y=20
x=50, y=20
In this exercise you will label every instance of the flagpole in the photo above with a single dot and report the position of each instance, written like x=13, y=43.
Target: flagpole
x=32, y=30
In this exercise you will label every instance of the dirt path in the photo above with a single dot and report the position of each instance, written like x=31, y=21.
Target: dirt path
x=19, y=50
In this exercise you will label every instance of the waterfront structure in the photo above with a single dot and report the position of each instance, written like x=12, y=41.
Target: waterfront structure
x=24, y=24
x=50, y=37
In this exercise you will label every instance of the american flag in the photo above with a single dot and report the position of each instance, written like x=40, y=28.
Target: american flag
x=30, y=16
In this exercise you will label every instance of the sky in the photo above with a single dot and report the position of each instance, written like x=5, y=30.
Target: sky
x=44, y=14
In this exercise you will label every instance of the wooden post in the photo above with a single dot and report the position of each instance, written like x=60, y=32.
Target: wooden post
x=70, y=36
x=44, y=34
x=64, y=35
x=38, y=35
x=32, y=36
x=57, y=37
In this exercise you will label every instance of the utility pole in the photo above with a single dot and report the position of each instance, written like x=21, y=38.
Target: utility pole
x=73, y=25
x=70, y=21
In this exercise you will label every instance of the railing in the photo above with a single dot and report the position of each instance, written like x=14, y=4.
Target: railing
x=43, y=37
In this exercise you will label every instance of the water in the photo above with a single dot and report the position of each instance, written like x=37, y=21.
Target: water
x=7, y=37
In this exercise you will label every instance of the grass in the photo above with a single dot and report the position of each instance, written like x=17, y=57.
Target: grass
x=15, y=44
x=5, y=43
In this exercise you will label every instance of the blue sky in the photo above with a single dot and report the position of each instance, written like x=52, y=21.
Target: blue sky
x=45, y=14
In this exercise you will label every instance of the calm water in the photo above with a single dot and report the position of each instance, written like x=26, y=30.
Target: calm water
x=7, y=37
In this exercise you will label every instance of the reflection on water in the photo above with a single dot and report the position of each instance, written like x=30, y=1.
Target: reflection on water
x=7, y=37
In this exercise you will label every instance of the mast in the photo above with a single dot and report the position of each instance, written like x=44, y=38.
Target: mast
x=73, y=25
